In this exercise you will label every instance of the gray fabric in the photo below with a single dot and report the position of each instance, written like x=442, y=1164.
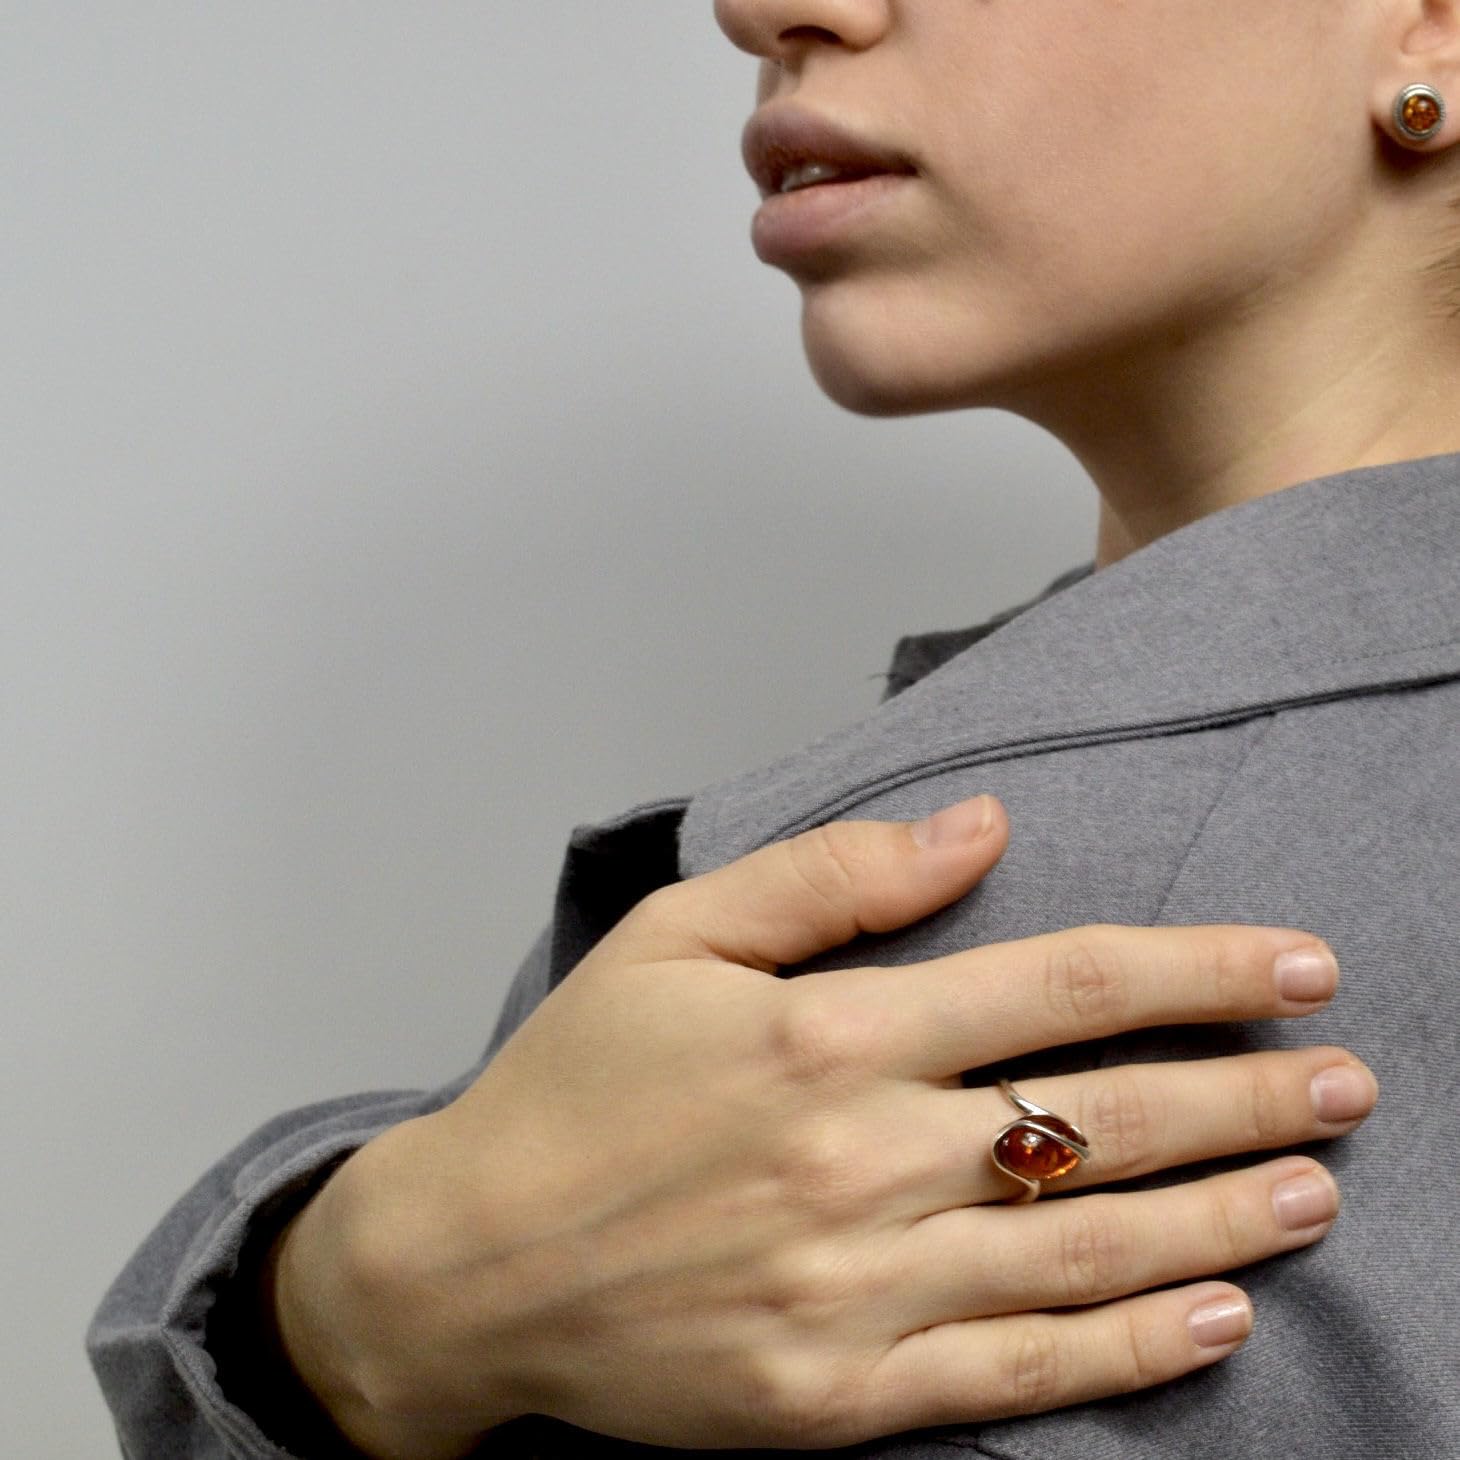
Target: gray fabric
x=920, y=654
x=1253, y=719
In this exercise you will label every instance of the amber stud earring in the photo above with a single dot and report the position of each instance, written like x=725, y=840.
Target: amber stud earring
x=1419, y=112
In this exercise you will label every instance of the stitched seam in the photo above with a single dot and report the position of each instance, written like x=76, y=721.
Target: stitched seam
x=1005, y=750
x=1217, y=800
x=1317, y=666
x=1384, y=653
x=1179, y=717
x=1078, y=739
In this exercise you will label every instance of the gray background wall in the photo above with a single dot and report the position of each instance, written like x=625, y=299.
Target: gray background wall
x=404, y=458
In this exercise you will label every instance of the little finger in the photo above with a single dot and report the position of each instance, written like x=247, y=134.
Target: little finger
x=1026, y=1363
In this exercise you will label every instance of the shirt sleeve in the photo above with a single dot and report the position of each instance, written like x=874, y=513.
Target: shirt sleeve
x=178, y=1342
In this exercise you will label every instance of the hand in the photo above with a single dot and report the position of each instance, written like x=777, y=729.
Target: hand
x=691, y=1205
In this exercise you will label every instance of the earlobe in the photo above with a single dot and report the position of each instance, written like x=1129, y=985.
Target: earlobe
x=1419, y=114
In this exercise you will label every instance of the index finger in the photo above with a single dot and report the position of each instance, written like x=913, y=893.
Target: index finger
x=989, y=1004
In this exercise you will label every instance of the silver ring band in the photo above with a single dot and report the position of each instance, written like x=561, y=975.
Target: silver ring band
x=1036, y=1146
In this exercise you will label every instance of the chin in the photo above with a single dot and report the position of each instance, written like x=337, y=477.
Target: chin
x=876, y=359
x=872, y=369
x=865, y=394
x=876, y=384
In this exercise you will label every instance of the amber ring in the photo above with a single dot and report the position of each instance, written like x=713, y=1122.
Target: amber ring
x=1036, y=1146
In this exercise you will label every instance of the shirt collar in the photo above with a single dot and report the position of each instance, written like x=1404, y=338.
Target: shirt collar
x=920, y=654
x=1341, y=585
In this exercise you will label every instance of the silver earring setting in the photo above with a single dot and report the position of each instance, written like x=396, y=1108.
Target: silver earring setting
x=1419, y=113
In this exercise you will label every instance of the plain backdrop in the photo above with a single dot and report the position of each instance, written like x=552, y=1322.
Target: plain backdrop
x=405, y=458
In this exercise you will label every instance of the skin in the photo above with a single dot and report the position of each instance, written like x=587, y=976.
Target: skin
x=1187, y=239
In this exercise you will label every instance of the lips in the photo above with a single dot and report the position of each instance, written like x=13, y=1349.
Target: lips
x=779, y=138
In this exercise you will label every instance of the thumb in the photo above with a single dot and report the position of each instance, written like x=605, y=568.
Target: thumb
x=795, y=898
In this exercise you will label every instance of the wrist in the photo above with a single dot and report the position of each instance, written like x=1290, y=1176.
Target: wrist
x=254, y=1369
x=317, y=1370
x=337, y=1289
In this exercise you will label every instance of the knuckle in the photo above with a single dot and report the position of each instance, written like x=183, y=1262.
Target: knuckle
x=837, y=1409
x=1143, y=1352
x=769, y=1389
x=814, y=1037
x=1125, y=1127
x=1265, y=1107
x=808, y=1281
x=1223, y=969
x=1092, y=1253
x=794, y=1401
x=823, y=1172
x=1032, y=1368
x=1230, y=1244
x=830, y=860
x=828, y=1409
x=1084, y=980
x=665, y=908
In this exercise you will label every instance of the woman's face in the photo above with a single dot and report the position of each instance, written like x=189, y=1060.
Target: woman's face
x=1095, y=179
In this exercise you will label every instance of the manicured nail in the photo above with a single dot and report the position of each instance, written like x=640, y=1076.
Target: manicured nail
x=1343, y=1092
x=964, y=821
x=1304, y=1201
x=1215, y=1325
x=1306, y=975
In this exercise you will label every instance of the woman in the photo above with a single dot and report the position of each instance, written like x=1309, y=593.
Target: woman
x=683, y=1203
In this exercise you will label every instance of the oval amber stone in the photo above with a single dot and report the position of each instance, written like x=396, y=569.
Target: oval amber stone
x=1032, y=1154
x=1421, y=113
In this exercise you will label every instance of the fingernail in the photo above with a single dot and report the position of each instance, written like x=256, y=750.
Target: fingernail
x=1304, y=1201
x=964, y=821
x=1306, y=975
x=1343, y=1092
x=1215, y=1325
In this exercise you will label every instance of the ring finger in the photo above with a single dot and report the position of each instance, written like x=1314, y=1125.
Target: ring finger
x=1141, y=1118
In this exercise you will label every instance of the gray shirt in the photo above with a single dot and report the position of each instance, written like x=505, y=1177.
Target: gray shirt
x=1253, y=719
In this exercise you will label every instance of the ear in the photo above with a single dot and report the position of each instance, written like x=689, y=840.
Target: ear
x=1422, y=47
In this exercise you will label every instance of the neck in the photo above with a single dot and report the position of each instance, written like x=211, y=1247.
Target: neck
x=1312, y=379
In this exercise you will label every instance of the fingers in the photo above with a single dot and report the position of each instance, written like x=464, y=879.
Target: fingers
x=815, y=891
x=988, y=1004
x=1106, y=1245
x=966, y=1372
